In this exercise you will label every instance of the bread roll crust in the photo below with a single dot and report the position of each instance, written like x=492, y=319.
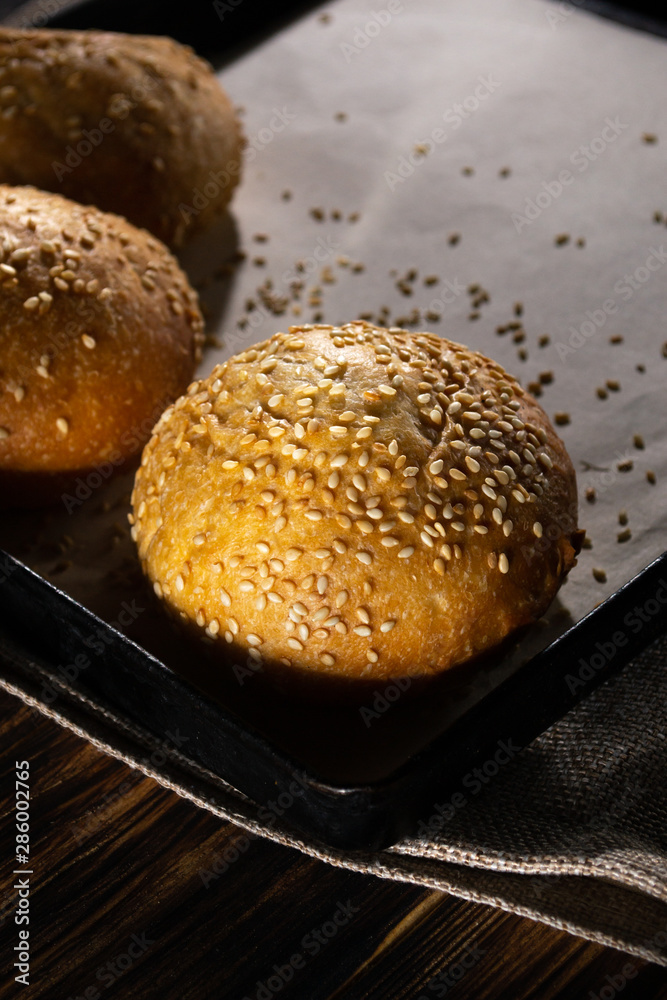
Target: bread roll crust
x=356, y=502
x=136, y=125
x=100, y=331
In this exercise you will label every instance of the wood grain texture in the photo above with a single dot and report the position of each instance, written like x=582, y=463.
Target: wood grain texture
x=122, y=865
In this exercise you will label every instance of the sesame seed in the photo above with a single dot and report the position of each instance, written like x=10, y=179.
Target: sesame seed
x=406, y=552
x=503, y=563
x=364, y=630
x=383, y=474
x=537, y=529
x=294, y=644
x=327, y=659
x=436, y=466
x=62, y=426
x=341, y=598
x=339, y=460
x=274, y=597
x=366, y=558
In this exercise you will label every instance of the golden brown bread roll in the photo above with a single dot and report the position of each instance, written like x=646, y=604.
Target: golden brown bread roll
x=356, y=502
x=100, y=331
x=133, y=124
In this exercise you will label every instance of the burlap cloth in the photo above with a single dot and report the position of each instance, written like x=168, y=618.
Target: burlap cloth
x=571, y=832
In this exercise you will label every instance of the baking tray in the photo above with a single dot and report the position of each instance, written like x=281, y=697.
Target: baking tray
x=40, y=622
x=363, y=781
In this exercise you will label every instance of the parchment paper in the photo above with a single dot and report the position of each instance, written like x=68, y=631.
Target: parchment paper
x=467, y=141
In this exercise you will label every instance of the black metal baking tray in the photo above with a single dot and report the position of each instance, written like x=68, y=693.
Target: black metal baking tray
x=360, y=786
x=48, y=625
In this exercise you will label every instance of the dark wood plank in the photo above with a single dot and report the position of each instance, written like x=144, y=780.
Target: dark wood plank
x=122, y=865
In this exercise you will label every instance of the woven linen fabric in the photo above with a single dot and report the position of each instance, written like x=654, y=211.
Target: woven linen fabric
x=572, y=831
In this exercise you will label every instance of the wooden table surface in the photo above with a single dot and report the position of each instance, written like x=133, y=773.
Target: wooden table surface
x=131, y=897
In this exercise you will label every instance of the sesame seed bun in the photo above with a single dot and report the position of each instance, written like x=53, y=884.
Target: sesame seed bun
x=100, y=331
x=137, y=125
x=356, y=503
